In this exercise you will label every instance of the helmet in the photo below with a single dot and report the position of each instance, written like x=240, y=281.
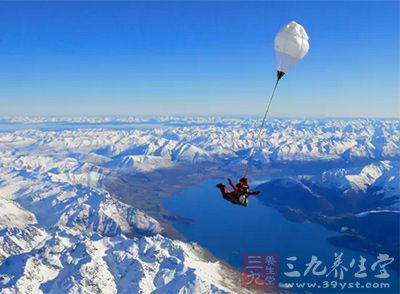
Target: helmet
x=245, y=189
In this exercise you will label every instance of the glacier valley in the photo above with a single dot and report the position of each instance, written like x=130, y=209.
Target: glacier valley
x=81, y=198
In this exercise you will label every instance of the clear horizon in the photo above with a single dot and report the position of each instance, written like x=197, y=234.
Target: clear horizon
x=197, y=59
x=236, y=116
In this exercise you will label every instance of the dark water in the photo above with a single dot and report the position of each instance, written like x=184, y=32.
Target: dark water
x=229, y=231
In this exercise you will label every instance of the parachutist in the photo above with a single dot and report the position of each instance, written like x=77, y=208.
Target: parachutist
x=240, y=192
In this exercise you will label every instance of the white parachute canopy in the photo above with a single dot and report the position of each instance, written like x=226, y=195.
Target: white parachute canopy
x=291, y=45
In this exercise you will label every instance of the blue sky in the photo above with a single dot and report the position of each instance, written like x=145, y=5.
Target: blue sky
x=90, y=58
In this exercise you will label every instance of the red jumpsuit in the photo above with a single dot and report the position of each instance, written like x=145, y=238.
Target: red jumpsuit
x=239, y=189
x=234, y=193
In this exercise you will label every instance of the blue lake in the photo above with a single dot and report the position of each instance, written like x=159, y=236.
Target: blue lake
x=229, y=231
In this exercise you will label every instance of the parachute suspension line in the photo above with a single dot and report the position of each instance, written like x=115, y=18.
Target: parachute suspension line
x=258, y=140
x=289, y=50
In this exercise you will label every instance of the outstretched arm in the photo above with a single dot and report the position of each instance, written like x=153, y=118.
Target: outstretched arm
x=253, y=193
x=232, y=184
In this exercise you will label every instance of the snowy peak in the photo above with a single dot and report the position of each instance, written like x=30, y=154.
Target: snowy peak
x=382, y=174
x=61, y=231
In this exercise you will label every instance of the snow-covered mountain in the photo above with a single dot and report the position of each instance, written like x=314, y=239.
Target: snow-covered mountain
x=382, y=175
x=61, y=230
x=214, y=139
x=59, y=233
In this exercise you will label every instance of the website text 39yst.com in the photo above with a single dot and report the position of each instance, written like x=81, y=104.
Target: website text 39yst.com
x=334, y=285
